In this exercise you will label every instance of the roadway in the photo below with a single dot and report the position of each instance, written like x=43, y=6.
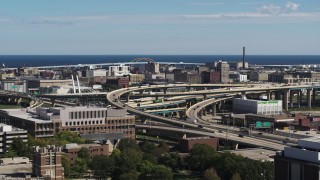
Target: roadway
x=223, y=135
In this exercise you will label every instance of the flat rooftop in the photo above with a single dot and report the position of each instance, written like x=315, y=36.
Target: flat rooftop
x=258, y=154
x=16, y=170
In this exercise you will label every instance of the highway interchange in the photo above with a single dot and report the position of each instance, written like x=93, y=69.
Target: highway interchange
x=197, y=125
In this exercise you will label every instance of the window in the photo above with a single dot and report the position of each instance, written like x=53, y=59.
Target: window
x=98, y=114
x=83, y=114
x=76, y=115
x=70, y=115
x=79, y=115
x=66, y=123
x=87, y=114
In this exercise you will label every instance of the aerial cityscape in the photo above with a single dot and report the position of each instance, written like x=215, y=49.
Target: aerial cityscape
x=170, y=90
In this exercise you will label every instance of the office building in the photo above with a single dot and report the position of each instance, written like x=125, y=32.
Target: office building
x=300, y=162
x=45, y=122
x=223, y=68
x=243, y=105
x=7, y=134
x=120, y=70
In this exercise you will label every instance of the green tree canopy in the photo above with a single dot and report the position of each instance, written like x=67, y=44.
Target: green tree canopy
x=210, y=174
x=102, y=166
x=201, y=156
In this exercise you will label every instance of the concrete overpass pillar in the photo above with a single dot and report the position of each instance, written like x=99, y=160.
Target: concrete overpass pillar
x=53, y=102
x=165, y=91
x=128, y=98
x=299, y=98
x=205, y=97
x=309, y=97
x=214, y=109
x=201, y=113
x=204, y=111
x=268, y=93
x=223, y=105
x=314, y=97
x=291, y=98
x=285, y=99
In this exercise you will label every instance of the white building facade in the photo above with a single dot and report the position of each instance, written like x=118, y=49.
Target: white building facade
x=256, y=106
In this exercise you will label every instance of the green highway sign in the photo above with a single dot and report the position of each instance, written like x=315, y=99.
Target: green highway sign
x=258, y=124
x=14, y=87
x=266, y=124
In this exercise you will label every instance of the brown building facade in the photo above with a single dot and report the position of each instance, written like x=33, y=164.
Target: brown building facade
x=47, y=163
x=186, y=144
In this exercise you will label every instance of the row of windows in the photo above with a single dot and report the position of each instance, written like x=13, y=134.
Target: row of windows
x=100, y=128
x=73, y=123
x=87, y=114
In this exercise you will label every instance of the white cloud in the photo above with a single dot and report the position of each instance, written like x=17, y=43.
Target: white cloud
x=270, y=9
x=292, y=6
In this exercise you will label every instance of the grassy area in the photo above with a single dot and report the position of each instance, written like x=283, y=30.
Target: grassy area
x=7, y=106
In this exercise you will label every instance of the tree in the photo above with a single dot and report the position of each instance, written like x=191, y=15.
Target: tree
x=161, y=172
x=102, y=166
x=161, y=149
x=201, y=156
x=128, y=144
x=148, y=147
x=84, y=153
x=236, y=176
x=210, y=174
x=151, y=171
x=171, y=160
x=80, y=167
x=10, y=153
x=65, y=161
x=131, y=175
x=127, y=161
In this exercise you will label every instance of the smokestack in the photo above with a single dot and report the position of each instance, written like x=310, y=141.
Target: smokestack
x=244, y=54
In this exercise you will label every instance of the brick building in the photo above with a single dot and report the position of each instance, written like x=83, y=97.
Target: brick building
x=186, y=144
x=47, y=163
x=73, y=149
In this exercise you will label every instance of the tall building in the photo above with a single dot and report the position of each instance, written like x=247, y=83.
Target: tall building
x=152, y=67
x=300, y=162
x=223, y=68
x=8, y=133
x=47, y=163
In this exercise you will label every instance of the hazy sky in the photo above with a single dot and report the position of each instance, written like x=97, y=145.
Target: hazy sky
x=159, y=27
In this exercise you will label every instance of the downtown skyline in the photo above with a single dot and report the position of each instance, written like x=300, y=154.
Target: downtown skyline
x=188, y=27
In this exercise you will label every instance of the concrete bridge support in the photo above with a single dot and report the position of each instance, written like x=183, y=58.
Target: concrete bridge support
x=314, y=97
x=201, y=113
x=214, y=109
x=309, y=98
x=268, y=93
x=285, y=99
x=299, y=98
x=53, y=102
x=205, y=97
x=164, y=91
x=291, y=98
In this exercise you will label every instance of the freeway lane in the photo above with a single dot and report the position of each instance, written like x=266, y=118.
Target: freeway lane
x=233, y=137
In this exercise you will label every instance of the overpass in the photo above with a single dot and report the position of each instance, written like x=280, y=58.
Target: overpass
x=114, y=98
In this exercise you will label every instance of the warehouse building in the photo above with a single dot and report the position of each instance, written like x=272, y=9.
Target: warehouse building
x=243, y=105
